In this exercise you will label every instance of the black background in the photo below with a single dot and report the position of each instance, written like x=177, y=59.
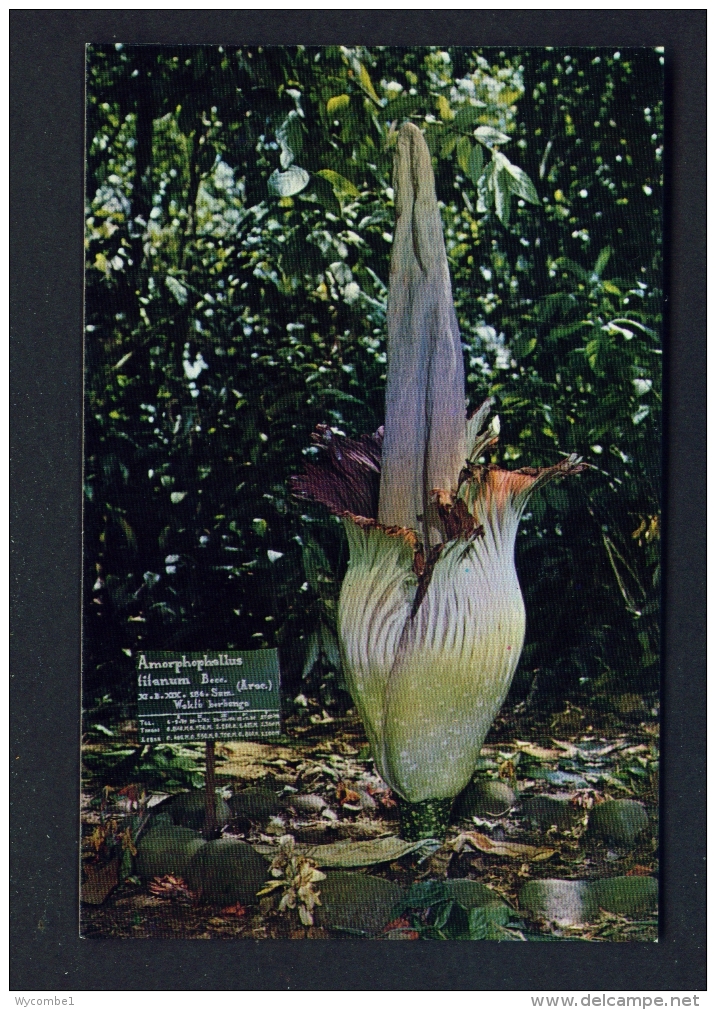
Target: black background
x=46, y=214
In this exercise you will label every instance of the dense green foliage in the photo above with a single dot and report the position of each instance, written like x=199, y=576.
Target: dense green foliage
x=239, y=220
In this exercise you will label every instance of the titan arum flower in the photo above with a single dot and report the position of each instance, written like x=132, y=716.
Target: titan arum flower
x=431, y=620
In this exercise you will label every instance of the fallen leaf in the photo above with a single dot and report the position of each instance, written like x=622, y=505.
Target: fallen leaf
x=345, y=795
x=535, y=751
x=133, y=792
x=569, y=748
x=639, y=871
x=170, y=888
x=513, y=850
x=349, y=853
x=100, y=880
x=236, y=910
x=437, y=864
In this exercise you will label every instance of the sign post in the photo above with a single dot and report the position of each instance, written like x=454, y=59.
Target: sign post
x=210, y=696
x=211, y=828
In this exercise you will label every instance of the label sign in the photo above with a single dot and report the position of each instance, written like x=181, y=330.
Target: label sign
x=208, y=696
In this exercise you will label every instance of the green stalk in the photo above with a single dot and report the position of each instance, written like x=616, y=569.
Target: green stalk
x=426, y=819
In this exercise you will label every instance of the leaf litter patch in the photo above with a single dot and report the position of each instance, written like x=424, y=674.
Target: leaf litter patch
x=546, y=825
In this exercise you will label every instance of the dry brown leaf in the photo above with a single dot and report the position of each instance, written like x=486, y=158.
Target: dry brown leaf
x=514, y=850
x=237, y=910
x=100, y=880
x=346, y=795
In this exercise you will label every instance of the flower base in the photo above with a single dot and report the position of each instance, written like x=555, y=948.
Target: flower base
x=427, y=819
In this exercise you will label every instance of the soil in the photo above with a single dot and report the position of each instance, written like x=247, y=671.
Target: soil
x=580, y=756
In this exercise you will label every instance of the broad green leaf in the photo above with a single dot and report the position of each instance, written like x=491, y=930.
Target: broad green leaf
x=341, y=185
x=569, y=264
x=486, y=188
x=520, y=183
x=557, y=332
x=488, y=922
x=464, y=149
x=592, y=351
x=476, y=163
x=288, y=183
x=550, y=304
x=337, y=104
x=489, y=136
x=325, y=194
x=329, y=644
x=443, y=913
x=466, y=116
x=448, y=145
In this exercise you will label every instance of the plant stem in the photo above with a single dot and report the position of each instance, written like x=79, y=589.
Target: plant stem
x=426, y=819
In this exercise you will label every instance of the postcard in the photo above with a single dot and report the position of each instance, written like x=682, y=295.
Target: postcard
x=372, y=474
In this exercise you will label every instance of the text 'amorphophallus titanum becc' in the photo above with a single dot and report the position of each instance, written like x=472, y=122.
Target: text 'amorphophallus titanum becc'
x=430, y=619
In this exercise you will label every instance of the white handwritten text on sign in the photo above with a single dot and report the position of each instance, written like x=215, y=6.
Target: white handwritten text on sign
x=208, y=696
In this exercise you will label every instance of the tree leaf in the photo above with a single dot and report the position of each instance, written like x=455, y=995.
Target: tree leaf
x=325, y=194
x=365, y=82
x=513, y=850
x=466, y=116
x=311, y=657
x=464, y=149
x=476, y=163
x=341, y=185
x=486, y=188
x=519, y=182
x=489, y=136
x=288, y=183
x=448, y=145
x=329, y=644
x=337, y=104
x=444, y=110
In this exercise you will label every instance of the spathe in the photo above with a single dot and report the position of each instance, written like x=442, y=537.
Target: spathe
x=430, y=618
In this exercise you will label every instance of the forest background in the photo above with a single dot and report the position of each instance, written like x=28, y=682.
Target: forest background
x=239, y=221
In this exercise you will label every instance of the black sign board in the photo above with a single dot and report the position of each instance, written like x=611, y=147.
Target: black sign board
x=208, y=696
